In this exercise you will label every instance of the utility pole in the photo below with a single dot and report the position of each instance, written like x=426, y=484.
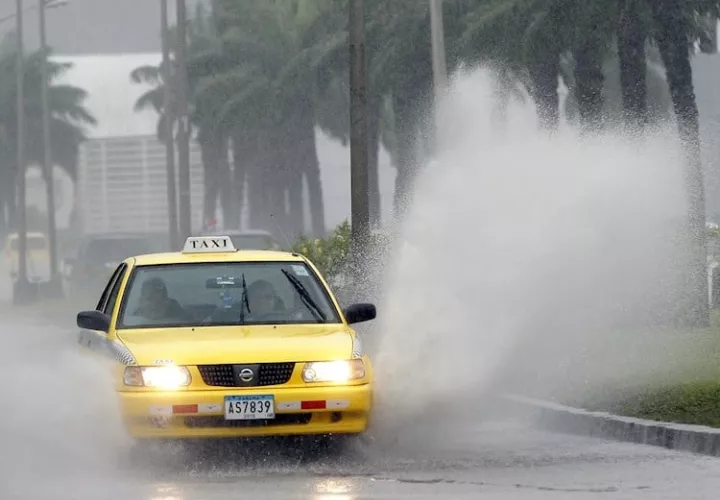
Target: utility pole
x=55, y=281
x=21, y=289
x=183, y=122
x=437, y=36
x=359, y=185
x=168, y=105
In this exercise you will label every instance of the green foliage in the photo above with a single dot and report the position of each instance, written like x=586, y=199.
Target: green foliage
x=329, y=254
x=690, y=403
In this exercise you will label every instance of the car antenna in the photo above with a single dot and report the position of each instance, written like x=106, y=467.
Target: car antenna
x=277, y=226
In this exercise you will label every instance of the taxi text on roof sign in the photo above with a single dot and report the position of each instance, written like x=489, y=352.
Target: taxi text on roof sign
x=208, y=244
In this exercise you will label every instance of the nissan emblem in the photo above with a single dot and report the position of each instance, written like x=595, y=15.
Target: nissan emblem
x=246, y=375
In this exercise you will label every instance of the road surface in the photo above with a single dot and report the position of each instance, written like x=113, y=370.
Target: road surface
x=60, y=441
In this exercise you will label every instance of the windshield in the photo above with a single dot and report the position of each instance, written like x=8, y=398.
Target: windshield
x=215, y=294
x=100, y=251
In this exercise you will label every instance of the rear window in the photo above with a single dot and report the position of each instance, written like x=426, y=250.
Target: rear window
x=115, y=249
x=33, y=243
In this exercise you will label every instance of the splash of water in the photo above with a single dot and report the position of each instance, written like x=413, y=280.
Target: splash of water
x=519, y=250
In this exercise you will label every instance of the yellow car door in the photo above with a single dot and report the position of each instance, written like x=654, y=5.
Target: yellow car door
x=100, y=342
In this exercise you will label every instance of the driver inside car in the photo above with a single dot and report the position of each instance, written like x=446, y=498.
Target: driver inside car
x=156, y=304
x=262, y=300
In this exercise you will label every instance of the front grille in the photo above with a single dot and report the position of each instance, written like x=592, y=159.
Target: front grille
x=219, y=421
x=268, y=374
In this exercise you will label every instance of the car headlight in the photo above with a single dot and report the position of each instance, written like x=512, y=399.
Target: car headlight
x=334, y=371
x=161, y=377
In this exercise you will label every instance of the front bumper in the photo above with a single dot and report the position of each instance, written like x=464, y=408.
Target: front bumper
x=200, y=414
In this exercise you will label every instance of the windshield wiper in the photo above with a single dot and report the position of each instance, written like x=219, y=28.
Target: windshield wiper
x=244, y=302
x=306, y=297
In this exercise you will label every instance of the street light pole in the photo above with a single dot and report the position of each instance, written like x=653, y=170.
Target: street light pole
x=359, y=182
x=168, y=104
x=55, y=283
x=183, y=122
x=21, y=291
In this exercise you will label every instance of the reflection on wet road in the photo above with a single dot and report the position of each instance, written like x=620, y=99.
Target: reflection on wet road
x=61, y=440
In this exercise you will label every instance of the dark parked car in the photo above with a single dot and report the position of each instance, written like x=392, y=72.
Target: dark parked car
x=97, y=257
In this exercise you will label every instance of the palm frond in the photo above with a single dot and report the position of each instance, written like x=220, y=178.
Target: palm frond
x=152, y=99
x=147, y=75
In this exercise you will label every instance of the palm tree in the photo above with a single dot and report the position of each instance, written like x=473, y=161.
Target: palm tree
x=217, y=176
x=254, y=88
x=633, y=29
x=677, y=26
x=68, y=120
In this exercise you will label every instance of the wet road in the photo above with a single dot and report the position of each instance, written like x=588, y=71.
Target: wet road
x=59, y=440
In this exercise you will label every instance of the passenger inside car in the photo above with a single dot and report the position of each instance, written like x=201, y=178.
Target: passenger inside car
x=263, y=300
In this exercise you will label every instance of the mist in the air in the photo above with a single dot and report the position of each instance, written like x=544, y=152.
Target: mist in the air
x=520, y=251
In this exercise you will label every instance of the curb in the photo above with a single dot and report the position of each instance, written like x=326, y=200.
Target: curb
x=565, y=419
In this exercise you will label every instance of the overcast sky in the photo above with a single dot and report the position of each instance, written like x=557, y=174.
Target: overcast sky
x=93, y=26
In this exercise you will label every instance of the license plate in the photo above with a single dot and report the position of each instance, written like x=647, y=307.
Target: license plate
x=249, y=407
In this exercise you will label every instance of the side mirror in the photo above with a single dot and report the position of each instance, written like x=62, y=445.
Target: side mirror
x=359, y=313
x=94, y=320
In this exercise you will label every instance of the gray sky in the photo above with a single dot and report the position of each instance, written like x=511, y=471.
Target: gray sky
x=94, y=26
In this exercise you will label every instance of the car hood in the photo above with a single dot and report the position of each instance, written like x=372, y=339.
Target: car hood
x=238, y=344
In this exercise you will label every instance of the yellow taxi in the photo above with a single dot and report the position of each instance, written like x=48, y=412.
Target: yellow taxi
x=215, y=342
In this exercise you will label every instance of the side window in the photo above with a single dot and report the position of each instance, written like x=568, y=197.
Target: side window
x=112, y=298
x=104, y=297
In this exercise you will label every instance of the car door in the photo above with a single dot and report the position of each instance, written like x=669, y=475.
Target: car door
x=96, y=341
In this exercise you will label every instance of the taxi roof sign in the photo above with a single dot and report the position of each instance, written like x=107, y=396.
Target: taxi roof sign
x=208, y=244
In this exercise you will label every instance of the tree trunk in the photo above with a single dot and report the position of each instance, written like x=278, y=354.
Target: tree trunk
x=633, y=66
x=257, y=183
x=405, y=143
x=257, y=199
x=589, y=80
x=502, y=93
x=242, y=149
x=269, y=182
x=211, y=177
x=12, y=212
x=296, y=207
x=544, y=74
x=307, y=161
x=315, y=191
x=276, y=218
x=672, y=39
x=228, y=202
x=375, y=108
x=291, y=161
x=3, y=220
